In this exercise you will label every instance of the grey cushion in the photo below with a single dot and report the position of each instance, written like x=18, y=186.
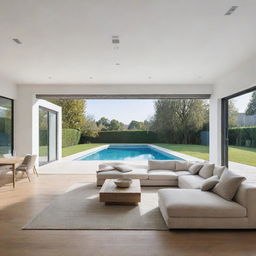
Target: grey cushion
x=122, y=168
x=180, y=173
x=162, y=175
x=218, y=170
x=190, y=181
x=228, y=185
x=161, y=165
x=196, y=203
x=209, y=183
x=206, y=171
x=181, y=165
x=195, y=168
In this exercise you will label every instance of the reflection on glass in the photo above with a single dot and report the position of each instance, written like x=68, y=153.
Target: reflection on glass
x=43, y=136
x=242, y=129
x=6, y=143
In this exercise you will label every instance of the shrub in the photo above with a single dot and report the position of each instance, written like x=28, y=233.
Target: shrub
x=242, y=136
x=70, y=137
x=122, y=137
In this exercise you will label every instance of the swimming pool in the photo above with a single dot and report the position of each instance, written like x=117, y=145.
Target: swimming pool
x=129, y=153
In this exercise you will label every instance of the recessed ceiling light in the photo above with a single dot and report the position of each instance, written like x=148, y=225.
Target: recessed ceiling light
x=90, y=77
x=149, y=77
x=231, y=10
x=117, y=64
x=49, y=77
x=115, y=40
x=17, y=41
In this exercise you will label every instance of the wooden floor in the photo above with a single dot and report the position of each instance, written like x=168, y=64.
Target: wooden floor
x=18, y=206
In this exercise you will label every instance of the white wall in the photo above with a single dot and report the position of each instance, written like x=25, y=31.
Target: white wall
x=26, y=131
x=238, y=79
x=7, y=88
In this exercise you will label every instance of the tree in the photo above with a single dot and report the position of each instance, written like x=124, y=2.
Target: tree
x=90, y=128
x=116, y=125
x=251, y=107
x=232, y=114
x=103, y=124
x=135, y=125
x=73, y=113
x=178, y=121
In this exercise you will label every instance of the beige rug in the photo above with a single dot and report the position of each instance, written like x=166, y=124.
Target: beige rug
x=79, y=208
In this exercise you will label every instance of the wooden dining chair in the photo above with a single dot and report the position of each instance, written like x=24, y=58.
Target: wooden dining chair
x=28, y=165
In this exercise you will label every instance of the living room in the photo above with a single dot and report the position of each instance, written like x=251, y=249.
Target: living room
x=126, y=50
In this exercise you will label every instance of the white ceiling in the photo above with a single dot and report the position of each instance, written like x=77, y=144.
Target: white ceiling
x=161, y=41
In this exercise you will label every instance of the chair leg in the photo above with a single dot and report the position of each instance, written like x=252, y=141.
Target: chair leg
x=35, y=171
x=28, y=177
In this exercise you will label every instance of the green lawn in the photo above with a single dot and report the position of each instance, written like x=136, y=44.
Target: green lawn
x=78, y=148
x=243, y=155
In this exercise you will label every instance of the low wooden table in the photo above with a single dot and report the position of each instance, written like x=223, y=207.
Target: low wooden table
x=111, y=194
x=12, y=161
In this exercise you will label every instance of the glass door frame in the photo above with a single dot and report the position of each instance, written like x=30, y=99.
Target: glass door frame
x=12, y=122
x=48, y=137
x=224, y=123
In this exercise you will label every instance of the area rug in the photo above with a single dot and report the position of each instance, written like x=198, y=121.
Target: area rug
x=79, y=209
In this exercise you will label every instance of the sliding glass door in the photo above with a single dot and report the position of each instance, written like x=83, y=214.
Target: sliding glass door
x=6, y=126
x=47, y=136
x=239, y=128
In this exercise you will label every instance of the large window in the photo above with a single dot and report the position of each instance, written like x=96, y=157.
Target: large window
x=239, y=128
x=6, y=126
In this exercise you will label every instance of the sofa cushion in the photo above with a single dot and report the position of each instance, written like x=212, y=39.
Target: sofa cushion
x=198, y=204
x=134, y=174
x=180, y=173
x=161, y=165
x=218, y=170
x=195, y=168
x=209, y=183
x=206, y=171
x=162, y=175
x=181, y=165
x=228, y=185
x=190, y=181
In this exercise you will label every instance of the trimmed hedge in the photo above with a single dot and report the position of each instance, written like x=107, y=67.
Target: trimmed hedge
x=70, y=137
x=122, y=137
x=242, y=136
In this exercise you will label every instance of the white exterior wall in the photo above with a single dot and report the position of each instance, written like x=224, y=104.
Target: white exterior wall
x=239, y=79
x=26, y=126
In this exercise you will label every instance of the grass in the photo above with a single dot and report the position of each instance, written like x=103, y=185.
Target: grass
x=243, y=155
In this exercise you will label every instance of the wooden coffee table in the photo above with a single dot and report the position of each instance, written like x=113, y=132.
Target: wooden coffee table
x=111, y=194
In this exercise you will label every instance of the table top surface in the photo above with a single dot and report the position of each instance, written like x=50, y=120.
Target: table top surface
x=110, y=187
x=11, y=160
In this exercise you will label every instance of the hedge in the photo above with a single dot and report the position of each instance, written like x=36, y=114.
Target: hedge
x=122, y=137
x=70, y=137
x=242, y=136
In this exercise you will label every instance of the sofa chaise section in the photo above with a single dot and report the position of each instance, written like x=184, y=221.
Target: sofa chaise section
x=193, y=208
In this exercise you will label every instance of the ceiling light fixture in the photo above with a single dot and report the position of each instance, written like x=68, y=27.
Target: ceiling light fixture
x=117, y=64
x=231, y=10
x=115, y=40
x=17, y=41
x=90, y=77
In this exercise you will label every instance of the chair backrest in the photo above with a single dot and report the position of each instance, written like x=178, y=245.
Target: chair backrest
x=29, y=161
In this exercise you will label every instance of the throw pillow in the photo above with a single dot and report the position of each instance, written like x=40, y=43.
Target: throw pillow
x=206, y=171
x=123, y=168
x=218, y=170
x=228, y=185
x=209, y=183
x=195, y=168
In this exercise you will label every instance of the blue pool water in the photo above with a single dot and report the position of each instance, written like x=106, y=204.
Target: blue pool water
x=129, y=152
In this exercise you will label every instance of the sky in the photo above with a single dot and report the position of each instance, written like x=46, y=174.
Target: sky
x=241, y=102
x=127, y=110
x=123, y=110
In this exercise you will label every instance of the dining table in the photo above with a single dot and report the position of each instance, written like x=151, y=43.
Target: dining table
x=11, y=161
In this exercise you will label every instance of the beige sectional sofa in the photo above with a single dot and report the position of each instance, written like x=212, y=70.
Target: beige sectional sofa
x=184, y=205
